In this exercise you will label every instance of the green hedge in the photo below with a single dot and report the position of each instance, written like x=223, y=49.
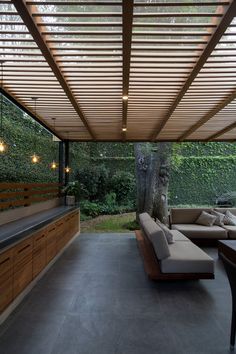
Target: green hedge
x=199, y=180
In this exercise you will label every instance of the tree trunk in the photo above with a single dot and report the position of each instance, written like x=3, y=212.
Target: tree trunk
x=152, y=162
x=145, y=164
x=160, y=207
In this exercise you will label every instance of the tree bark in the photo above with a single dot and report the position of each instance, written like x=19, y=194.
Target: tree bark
x=160, y=204
x=152, y=162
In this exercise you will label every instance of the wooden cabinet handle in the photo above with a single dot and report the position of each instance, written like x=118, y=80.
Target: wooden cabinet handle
x=40, y=237
x=24, y=248
x=5, y=260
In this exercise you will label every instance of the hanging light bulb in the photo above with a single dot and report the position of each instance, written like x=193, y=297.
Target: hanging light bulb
x=53, y=164
x=35, y=157
x=67, y=169
x=3, y=145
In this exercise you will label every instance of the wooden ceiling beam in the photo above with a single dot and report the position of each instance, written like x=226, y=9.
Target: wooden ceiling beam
x=127, y=18
x=222, y=132
x=26, y=15
x=216, y=36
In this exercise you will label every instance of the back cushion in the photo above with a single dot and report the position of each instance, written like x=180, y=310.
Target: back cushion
x=223, y=210
x=185, y=215
x=144, y=216
x=156, y=237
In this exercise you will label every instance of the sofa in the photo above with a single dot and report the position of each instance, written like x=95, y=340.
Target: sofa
x=183, y=220
x=181, y=259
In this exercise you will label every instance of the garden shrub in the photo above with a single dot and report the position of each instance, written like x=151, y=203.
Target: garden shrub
x=123, y=184
x=94, y=181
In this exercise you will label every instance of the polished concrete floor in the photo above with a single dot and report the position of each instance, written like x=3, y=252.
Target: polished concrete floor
x=96, y=299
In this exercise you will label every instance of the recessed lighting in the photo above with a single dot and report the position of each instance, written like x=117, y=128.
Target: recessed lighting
x=125, y=98
x=124, y=129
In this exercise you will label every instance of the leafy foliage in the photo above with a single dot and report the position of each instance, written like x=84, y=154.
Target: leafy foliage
x=123, y=184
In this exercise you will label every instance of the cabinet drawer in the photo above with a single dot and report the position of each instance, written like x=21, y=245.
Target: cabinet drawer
x=6, y=293
x=51, y=251
x=22, y=278
x=6, y=262
x=39, y=262
x=39, y=240
x=23, y=250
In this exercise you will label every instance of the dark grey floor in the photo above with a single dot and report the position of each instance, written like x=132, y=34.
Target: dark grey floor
x=96, y=299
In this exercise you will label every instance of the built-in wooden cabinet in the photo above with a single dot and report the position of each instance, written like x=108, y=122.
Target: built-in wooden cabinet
x=39, y=252
x=21, y=263
x=6, y=279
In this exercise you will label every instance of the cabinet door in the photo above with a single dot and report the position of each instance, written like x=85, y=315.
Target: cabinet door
x=6, y=279
x=23, y=267
x=51, y=243
x=39, y=252
x=60, y=230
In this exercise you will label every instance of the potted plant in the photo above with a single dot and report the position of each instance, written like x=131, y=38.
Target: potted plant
x=71, y=191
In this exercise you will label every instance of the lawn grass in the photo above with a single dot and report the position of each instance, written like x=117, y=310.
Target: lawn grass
x=111, y=223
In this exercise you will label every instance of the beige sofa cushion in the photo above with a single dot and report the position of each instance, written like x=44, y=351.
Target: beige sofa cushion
x=178, y=236
x=167, y=232
x=223, y=210
x=144, y=216
x=205, y=219
x=185, y=215
x=231, y=231
x=219, y=218
x=185, y=257
x=199, y=231
x=156, y=237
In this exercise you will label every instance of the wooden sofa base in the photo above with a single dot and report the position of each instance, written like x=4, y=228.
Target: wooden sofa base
x=152, y=266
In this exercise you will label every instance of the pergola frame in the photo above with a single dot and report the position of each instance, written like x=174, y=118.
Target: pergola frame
x=176, y=66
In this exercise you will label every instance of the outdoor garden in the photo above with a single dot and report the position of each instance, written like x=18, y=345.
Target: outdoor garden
x=198, y=174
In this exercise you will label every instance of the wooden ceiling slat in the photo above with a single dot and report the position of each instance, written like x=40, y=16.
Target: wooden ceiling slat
x=182, y=4
x=26, y=16
x=216, y=36
x=74, y=14
x=208, y=116
x=79, y=24
x=222, y=132
x=78, y=3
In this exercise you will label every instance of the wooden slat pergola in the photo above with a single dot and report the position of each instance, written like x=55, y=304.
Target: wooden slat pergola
x=142, y=70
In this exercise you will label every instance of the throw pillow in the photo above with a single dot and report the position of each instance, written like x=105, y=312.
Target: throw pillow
x=219, y=217
x=205, y=219
x=230, y=219
x=167, y=232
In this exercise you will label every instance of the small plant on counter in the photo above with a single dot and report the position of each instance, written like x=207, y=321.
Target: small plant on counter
x=71, y=191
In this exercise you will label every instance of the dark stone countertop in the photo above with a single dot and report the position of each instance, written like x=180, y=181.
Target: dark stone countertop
x=15, y=231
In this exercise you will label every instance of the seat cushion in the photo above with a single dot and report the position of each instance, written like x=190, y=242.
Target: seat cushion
x=200, y=231
x=185, y=257
x=156, y=236
x=178, y=236
x=231, y=231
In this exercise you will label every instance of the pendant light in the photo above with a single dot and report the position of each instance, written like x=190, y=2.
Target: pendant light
x=3, y=145
x=35, y=157
x=67, y=168
x=53, y=164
